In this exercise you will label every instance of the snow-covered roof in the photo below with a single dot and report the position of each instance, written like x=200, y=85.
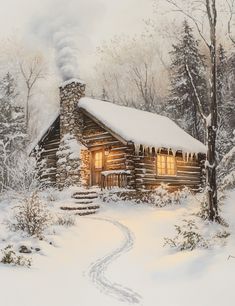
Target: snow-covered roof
x=141, y=127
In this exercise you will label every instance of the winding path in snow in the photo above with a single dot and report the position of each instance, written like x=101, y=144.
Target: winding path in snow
x=98, y=268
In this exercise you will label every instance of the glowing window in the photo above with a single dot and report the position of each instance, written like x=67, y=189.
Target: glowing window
x=166, y=165
x=98, y=160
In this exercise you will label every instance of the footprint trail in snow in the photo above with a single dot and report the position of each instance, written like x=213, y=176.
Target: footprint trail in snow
x=98, y=268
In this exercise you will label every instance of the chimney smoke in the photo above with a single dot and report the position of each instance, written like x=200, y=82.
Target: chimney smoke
x=66, y=53
x=62, y=33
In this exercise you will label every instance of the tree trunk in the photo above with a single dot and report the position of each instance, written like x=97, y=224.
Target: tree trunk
x=212, y=124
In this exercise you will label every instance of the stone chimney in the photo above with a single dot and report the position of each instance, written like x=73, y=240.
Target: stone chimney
x=70, y=93
x=69, y=164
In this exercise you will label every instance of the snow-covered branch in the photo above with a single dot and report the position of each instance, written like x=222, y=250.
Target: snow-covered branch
x=199, y=102
x=231, y=8
x=198, y=24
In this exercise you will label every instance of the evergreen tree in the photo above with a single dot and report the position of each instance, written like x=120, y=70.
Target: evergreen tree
x=8, y=86
x=225, y=140
x=182, y=103
x=222, y=75
x=12, y=126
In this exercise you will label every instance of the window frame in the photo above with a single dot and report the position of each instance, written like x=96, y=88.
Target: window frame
x=166, y=167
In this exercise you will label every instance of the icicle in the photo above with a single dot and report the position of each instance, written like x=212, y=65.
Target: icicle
x=146, y=150
x=156, y=150
x=173, y=152
x=191, y=156
x=143, y=149
x=137, y=149
x=152, y=151
x=184, y=156
x=187, y=156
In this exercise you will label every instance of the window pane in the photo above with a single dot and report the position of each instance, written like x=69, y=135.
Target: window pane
x=161, y=165
x=98, y=160
x=171, y=167
x=166, y=165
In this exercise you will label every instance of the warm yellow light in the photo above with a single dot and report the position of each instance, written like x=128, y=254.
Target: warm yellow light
x=98, y=160
x=166, y=165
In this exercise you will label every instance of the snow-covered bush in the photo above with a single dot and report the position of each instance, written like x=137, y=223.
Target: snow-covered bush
x=187, y=237
x=21, y=176
x=65, y=220
x=203, y=212
x=159, y=197
x=190, y=235
x=31, y=216
x=50, y=194
x=11, y=258
x=162, y=197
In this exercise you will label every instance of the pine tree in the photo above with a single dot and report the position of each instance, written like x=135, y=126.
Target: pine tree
x=222, y=75
x=182, y=104
x=12, y=125
x=225, y=140
x=8, y=86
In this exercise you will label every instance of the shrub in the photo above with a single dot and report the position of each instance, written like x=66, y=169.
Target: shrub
x=159, y=197
x=203, y=213
x=31, y=216
x=187, y=237
x=65, y=220
x=11, y=258
x=162, y=197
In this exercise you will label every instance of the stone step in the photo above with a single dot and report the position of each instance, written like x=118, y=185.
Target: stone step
x=82, y=208
x=90, y=197
x=82, y=201
x=86, y=213
x=85, y=193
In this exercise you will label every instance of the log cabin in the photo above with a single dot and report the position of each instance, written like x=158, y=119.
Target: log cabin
x=98, y=143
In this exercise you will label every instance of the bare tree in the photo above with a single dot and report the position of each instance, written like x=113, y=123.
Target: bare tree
x=145, y=85
x=132, y=73
x=231, y=9
x=31, y=70
x=208, y=10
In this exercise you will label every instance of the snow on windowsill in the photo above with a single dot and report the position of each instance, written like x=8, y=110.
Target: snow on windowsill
x=109, y=172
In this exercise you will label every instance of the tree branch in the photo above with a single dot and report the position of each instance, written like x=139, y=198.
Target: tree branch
x=195, y=21
x=199, y=103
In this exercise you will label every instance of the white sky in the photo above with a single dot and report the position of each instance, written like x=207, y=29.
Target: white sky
x=97, y=20
x=101, y=19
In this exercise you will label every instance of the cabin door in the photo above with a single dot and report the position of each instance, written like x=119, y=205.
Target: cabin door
x=98, y=165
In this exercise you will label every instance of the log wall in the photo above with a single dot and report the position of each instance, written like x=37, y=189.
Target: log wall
x=49, y=146
x=96, y=137
x=122, y=156
x=143, y=173
x=189, y=173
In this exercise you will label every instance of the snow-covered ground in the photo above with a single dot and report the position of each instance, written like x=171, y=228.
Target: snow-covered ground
x=116, y=257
